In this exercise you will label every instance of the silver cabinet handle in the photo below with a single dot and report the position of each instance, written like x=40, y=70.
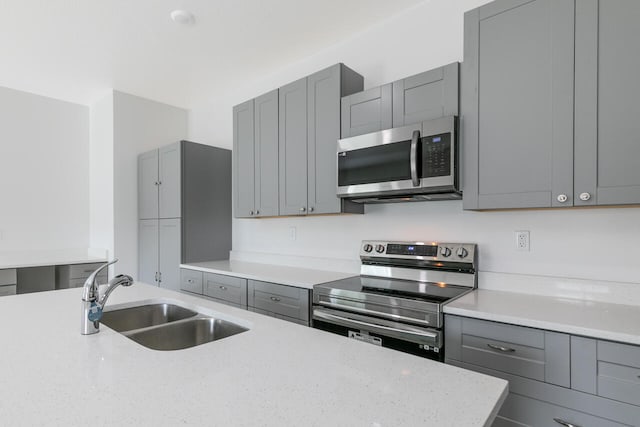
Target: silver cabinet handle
x=415, y=179
x=257, y=212
x=189, y=280
x=224, y=288
x=565, y=423
x=311, y=209
x=156, y=183
x=302, y=209
x=250, y=212
x=156, y=278
x=501, y=348
x=275, y=299
x=562, y=198
x=159, y=182
x=584, y=196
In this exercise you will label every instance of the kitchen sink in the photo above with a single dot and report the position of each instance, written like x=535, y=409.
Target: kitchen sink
x=185, y=334
x=143, y=316
x=167, y=326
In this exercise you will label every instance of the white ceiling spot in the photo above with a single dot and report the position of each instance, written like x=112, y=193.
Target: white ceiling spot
x=76, y=50
x=183, y=17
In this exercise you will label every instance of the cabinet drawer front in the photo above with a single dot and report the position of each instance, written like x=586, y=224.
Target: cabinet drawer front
x=80, y=271
x=619, y=372
x=191, y=280
x=8, y=277
x=226, y=288
x=279, y=316
x=504, y=356
x=520, y=410
x=7, y=290
x=280, y=299
x=519, y=335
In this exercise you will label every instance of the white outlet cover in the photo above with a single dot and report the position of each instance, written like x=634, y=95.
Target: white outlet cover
x=523, y=240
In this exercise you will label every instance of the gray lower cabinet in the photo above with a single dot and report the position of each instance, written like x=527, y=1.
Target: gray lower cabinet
x=425, y=96
x=554, y=378
x=227, y=289
x=367, y=111
x=549, y=104
x=159, y=249
x=74, y=275
x=8, y=281
x=285, y=302
x=191, y=280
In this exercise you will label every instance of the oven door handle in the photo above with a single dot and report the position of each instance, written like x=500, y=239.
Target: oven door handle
x=372, y=327
x=415, y=179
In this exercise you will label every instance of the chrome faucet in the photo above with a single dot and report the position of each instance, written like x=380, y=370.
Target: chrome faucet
x=92, y=304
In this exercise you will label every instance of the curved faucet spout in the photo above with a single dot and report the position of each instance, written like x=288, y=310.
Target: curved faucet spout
x=119, y=280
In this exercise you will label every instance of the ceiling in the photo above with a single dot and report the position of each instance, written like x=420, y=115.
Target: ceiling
x=76, y=50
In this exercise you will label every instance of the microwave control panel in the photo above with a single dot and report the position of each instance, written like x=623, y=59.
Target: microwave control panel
x=436, y=155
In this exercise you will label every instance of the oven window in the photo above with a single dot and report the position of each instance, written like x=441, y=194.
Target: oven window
x=381, y=163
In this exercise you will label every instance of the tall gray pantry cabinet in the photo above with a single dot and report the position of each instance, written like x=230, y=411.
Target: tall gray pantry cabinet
x=549, y=104
x=184, y=209
x=300, y=124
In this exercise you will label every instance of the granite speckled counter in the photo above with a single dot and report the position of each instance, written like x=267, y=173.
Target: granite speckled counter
x=276, y=374
x=609, y=321
x=284, y=275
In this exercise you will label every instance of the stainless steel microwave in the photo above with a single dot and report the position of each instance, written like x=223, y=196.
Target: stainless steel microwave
x=410, y=163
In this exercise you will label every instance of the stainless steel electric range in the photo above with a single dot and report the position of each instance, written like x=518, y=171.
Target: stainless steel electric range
x=398, y=298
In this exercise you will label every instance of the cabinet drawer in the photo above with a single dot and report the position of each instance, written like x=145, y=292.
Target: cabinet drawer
x=226, y=288
x=618, y=371
x=527, y=352
x=8, y=277
x=520, y=410
x=191, y=280
x=82, y=271
x=279, y=316
x=7, y=290
x=280, y=299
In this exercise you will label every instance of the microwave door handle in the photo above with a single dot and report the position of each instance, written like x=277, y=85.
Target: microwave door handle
x=415, y=179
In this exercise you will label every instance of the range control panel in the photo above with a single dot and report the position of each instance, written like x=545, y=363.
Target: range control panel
x=460, y=252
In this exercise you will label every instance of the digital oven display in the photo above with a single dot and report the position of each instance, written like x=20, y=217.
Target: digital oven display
x=418, y=250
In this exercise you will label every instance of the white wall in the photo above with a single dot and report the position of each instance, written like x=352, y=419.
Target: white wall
x=581, y=243
x=139, y=125
x=44, y=190
x=101, y=178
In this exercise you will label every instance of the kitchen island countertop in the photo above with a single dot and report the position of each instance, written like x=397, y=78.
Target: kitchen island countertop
x=276, y=374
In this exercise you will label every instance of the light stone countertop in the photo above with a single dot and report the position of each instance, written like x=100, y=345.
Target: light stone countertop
x=615, y=322
x=23, y=259
x=284, y=275
x=276, y=374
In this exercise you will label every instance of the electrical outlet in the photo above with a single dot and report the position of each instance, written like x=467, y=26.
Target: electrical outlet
x=292, y=233
x=522, y=240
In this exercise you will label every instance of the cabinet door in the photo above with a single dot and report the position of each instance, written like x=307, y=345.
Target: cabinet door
x=148, y=251
x=243, y=160
x=425, y=96
x=169, y=253
x=266, y=154
x=607, y=140
x=293, y=148
x=367, y=111
x=323, y=132
x=148, y=185
x=517, y=100
x=169, y=179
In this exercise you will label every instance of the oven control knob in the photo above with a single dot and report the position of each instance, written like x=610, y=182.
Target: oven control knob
x=445, y=251
x=379, y=248
x=367, y=248
x=462, y=252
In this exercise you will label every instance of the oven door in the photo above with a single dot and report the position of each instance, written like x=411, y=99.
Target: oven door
x=379, y=162
x=424, y=342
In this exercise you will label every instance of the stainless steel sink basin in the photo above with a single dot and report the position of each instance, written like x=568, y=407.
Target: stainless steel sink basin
x=166, y=326
x=143, y=316
x=186, y=333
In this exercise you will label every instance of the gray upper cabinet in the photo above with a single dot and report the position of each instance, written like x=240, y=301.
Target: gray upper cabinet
x=425, y=96
x=293, y=148
x=244, y=159
x=266, y=154
x=517, y=104
x=148, y=185
x=285, y=147
x=169, y=181
x=367, y=111
x=607, y=141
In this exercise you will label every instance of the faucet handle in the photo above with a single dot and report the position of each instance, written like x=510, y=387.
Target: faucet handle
x=90, y=288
